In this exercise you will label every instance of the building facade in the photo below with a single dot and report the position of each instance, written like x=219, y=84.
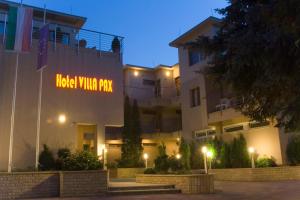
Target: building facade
x=157, y=91
x=214, y=111
x=82, y=89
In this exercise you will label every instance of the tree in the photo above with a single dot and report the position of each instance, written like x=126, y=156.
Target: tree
x=256, y=54
x=185, y=151
x=131, y=136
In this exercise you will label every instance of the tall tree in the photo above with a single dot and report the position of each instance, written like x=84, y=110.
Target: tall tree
x=256, y=54
x=131, y=136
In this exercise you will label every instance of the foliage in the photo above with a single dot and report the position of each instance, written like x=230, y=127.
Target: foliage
x=46, y=159
x=196, y=157
x=185, y=151
x=293, y=150
x=62, y=154
x=82, y=160
x=225, y=156
x=175, y=164
x=265, y=162
x=239, y=155
x=256, y=55
x=162, y=160
x=215, y=146
x=149, y=171
x=131, y=148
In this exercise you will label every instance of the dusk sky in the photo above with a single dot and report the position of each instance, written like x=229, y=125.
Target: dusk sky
x=147, y=25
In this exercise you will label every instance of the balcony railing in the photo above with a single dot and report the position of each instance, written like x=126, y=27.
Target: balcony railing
x=72, y=36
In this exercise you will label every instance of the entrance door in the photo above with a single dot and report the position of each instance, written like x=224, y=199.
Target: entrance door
x=87, y=137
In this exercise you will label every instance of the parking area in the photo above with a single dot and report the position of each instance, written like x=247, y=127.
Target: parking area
x=287, y=190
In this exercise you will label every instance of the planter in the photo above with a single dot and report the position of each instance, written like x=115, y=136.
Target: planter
x=188, y=184
x=257, y=174
x=125, y=172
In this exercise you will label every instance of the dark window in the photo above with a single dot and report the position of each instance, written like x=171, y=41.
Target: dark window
x=36, y=33
x=195, y=97
x=157, y=89
x=234, y=128
x=1, y=28
x=61, y=37
x=259, y=124
x=148, y=82
x=195, y=56
x=177, y=85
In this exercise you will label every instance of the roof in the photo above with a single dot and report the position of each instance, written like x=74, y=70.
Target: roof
x=72, y=20
x=182, y=39
x=129, y=66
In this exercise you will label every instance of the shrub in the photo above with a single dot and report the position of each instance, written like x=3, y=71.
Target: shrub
x=175, y=164
x=196, y=157
x=46, y=159
x=162, y=162
x=266, y=162
x=112, y=165
x=239, y=156
x=82, y=160
x=185, y=151
x=150, y=171
x=293, y=150
x=225, y=156
x=62, y=154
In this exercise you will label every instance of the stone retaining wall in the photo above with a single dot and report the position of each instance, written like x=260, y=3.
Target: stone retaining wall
x=189, y=184
x=21, y=185
x=125, y=172
x=257, y=174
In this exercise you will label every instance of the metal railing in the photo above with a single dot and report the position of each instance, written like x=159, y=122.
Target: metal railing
x=72, y=36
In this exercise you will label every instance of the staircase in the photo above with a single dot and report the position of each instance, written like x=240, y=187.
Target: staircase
x=142, y=189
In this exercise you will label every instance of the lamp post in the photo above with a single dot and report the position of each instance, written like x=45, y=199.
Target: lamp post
x=209, y=155
x=204, y=151
x=251, y=151
x=146, y=157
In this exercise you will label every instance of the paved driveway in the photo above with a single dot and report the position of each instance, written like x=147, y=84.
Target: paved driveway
x=286, y=190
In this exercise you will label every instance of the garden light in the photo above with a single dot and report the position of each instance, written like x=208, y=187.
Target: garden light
x=178, y=156
x=204, y=151
x=251, y=150
x=209, y=155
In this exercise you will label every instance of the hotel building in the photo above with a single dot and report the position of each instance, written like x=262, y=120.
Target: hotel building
x=213, y=114
x=157, y=91
x=82, y=89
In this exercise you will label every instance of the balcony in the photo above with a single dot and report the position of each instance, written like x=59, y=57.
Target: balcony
x=160, y=102
x=77, y=38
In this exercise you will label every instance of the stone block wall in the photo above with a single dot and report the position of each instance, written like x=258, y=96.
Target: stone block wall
x=29, y=185
x=87, y=183
x=189, y=184
x=22, y=185
x=257, y=174
x=125, y=172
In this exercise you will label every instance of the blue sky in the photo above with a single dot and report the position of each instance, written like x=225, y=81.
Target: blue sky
x=147, y=25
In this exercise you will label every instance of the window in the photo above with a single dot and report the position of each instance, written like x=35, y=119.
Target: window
x=1, y=28
x=177, y=85
x=61, y=37
x=195, y=56
x=148, y=82
x=195, y=97
x=157, y=89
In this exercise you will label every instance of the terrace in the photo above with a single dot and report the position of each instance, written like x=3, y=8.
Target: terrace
x=72, y=36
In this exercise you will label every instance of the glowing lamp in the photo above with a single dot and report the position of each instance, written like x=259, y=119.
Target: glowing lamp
x=136, y=73
x=62, y=118
x=204, y=149
x=178, y=156
x=251, y=150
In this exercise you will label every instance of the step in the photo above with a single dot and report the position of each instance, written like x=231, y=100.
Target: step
x=144, y=192
x=141, y=187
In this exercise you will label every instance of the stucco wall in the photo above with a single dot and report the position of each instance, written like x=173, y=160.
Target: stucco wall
x=79, y=106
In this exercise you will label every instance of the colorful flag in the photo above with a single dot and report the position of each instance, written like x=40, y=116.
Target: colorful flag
x=19, y=29
x=43, y=47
